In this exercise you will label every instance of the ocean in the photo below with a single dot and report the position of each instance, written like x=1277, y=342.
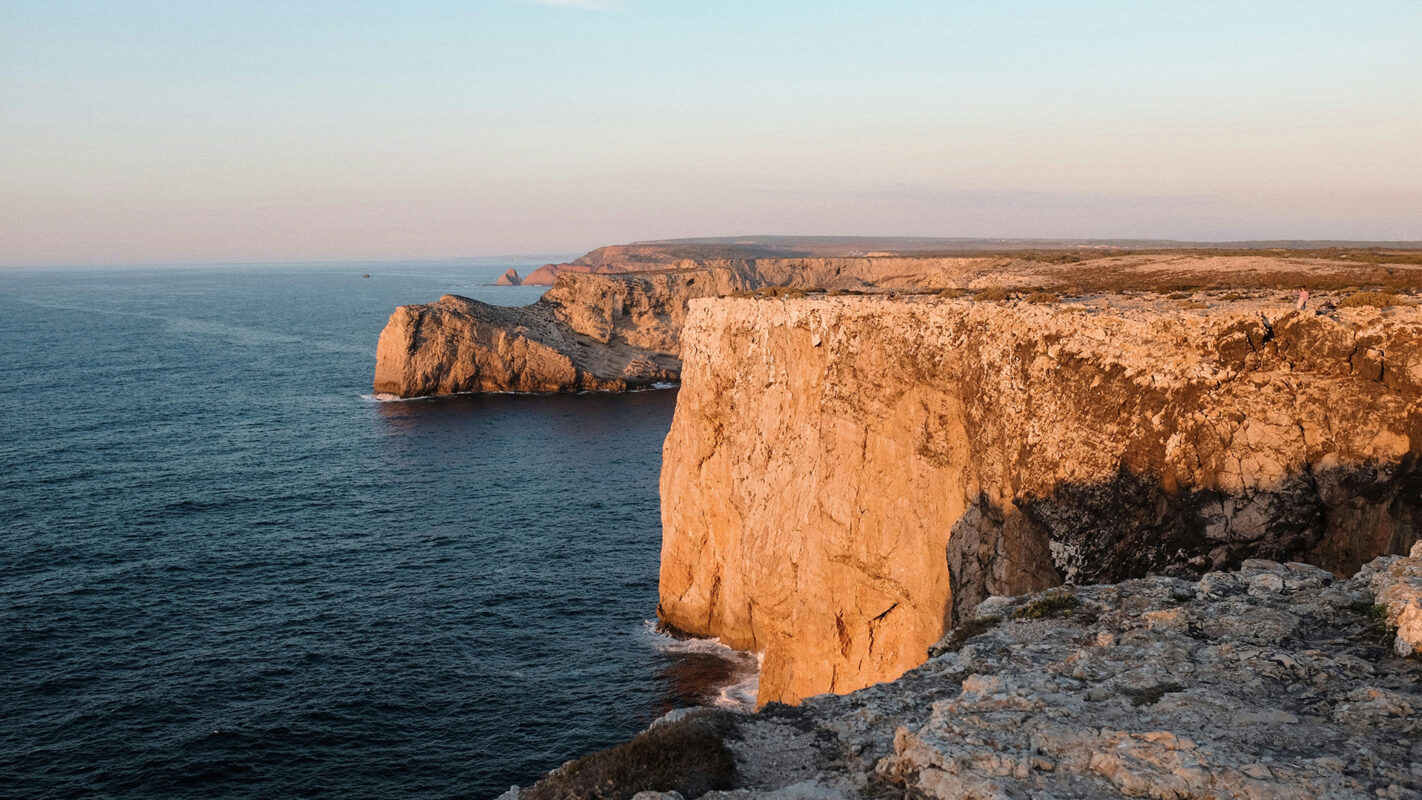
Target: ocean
x=227, y=571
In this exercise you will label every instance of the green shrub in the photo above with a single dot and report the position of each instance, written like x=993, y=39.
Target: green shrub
x=688, y=756
x=780, y=291
x=1050, y=605
x=993, y=294
x=1375, y=625
x=962, y=633
x=1043, y=297
x=1152, y=695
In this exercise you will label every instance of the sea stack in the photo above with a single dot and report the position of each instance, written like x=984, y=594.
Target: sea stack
x=509, y=278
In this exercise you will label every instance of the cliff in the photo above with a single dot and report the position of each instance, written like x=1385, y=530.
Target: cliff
x=587, y=333
x=846, y=476
x=612, y=320
x=1274, y=681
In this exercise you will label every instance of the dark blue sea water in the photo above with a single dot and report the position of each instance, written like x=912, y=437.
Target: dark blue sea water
x=226, y=572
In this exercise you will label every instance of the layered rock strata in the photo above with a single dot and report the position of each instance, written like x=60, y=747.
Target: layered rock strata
x=640, y=292
x=846, y=476
x=1273, y=681
x=587, y=333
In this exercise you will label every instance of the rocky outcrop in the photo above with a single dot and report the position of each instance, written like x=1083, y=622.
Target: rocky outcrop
x=663, y=277
x=509, y=278
x=587, y=333
x=1273, y=681
x=846, y=476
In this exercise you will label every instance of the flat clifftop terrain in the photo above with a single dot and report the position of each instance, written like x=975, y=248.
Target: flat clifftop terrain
x=683, y=253
x=848, y=475
x=1272, y=682
x=615, y=323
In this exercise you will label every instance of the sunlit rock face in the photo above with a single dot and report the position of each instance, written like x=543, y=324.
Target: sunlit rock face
x=846, y=476
x=587, y=333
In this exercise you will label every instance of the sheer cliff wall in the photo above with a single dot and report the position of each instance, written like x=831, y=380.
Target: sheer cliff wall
x=846, y=475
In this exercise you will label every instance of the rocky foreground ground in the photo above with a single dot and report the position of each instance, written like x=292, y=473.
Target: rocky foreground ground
x=1273, y=681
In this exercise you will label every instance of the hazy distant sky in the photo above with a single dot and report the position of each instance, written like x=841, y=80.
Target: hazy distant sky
x=216, y=130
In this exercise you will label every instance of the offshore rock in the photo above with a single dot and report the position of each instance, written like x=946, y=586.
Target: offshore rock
x=1271, y=682
x=509, y=278
x=847, y=476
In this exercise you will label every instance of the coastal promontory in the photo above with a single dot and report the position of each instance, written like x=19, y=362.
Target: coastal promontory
x=847, y=477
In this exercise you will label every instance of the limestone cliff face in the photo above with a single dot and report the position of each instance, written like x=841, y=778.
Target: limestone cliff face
x=587, y=333
x=629, y=302
x=846, y=475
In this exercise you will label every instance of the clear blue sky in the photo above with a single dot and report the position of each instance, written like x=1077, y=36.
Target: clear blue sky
x=214, y=130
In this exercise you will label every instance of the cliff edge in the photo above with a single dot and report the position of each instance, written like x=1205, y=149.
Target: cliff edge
x=614, y=322
x=847, y=476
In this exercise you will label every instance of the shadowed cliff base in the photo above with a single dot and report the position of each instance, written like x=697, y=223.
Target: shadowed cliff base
x=844, y=472
x=1337, y=518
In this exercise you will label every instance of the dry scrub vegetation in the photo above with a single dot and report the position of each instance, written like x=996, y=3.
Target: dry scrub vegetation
x=1373, y=300
x=993, y=294
x=687, y=756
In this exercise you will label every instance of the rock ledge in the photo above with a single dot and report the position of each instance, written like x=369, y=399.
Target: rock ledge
x=1273, y=681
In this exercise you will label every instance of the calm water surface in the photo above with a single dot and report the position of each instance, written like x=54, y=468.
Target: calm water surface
x=224, y=571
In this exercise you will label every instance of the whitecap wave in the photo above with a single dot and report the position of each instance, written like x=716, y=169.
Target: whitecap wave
x=741, y=691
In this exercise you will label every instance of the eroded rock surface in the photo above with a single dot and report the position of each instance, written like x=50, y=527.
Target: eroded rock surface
x=846, y=476
x=637, y=294
x=1272, y=681
x=587, y=333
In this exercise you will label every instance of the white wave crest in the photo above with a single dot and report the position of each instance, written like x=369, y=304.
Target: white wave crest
x=739, y=694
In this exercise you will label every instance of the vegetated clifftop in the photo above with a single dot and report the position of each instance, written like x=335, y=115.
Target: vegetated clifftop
x=846, y=476
x=684, y=253
x=1272, y=682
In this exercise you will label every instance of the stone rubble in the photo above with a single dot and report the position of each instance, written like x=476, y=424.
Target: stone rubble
x=1274, y=681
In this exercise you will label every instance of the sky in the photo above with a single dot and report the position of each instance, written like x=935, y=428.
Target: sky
x=175, y=131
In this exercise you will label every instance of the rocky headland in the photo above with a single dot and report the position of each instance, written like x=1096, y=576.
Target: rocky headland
x=846, y=477
x=613, y=323
x=587, y=333
x=1112, y=499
